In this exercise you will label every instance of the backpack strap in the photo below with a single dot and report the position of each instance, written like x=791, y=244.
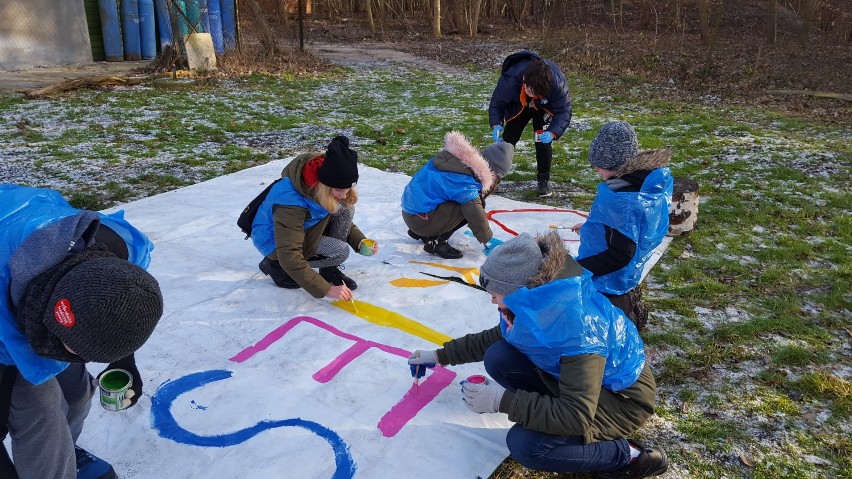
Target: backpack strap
x=7, y=380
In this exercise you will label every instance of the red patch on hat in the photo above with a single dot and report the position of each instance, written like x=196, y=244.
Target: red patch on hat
x=63, y=314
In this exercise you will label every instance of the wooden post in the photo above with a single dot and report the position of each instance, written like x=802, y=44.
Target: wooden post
x=684, y=210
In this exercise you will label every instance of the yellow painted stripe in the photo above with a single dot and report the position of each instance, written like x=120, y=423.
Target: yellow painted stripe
x=466, y=272
x=417, y=283
x=383, y=317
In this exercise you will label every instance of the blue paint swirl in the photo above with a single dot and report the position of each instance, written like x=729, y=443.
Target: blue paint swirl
x=164, y=422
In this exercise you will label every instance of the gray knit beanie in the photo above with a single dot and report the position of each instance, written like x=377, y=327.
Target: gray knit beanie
x=511, y=265
x=102, y=308
x=614, y=144
x=499, y=157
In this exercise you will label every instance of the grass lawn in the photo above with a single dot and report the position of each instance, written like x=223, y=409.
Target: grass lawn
x=749, y=335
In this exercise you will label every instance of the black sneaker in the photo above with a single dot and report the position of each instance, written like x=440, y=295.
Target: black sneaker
x=92, y=467
x=277, y=273
x=416, y=236
x=333, y=275
x=544, y=189
x=442, y=249
x=652, y=461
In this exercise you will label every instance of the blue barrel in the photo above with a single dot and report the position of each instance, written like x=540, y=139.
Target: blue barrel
x=215, y=8
x=193, y=14
x=164, y=23
x=111, y=30
x=130, y=29
x=229, y=24
x=147, y=29
x=205, y=16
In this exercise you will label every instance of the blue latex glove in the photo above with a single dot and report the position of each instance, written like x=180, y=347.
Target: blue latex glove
x=482, y=398
x=545, y=137
x=420, y=360
x=497, y=133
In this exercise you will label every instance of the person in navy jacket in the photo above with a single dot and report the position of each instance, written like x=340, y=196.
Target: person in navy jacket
x=531, y=88
x=74, y=291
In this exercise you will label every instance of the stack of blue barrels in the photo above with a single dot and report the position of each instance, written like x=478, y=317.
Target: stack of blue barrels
x=130, y=29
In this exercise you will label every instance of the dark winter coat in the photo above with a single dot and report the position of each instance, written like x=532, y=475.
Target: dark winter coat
x=580, y=405
x=509, y=99
x=451, y=188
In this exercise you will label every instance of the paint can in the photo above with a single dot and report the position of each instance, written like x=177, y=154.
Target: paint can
x=114, y=385
x=367, y=246
x=477, y=379
x=537, y=135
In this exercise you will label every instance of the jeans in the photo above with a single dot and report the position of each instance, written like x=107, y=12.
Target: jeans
x=543, y=151
x=537, y=450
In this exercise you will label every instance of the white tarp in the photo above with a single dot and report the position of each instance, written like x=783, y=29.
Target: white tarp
x=247, y=380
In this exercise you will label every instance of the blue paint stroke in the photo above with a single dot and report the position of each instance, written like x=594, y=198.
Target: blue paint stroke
x=489, y=247
x=164, y=422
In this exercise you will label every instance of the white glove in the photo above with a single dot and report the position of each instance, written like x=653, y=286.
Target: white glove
x=423, y=358
x=482, y=398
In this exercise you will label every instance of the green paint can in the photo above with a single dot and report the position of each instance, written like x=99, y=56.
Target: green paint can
x=114, y=385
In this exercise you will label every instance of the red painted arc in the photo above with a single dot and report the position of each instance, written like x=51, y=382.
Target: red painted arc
x=529, y=210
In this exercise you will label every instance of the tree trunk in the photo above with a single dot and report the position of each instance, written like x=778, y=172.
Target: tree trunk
x=808, y=14
x=267, y=38
x=436, y=21
x=772, y=22
x=369, y=11
x=475, y=6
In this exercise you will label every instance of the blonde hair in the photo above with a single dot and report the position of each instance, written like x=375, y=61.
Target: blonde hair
x=323, y=196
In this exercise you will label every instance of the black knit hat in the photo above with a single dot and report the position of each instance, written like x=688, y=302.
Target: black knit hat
x=340, y=168
x=101, y=307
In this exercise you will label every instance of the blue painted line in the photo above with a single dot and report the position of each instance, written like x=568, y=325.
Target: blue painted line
x=164, y=422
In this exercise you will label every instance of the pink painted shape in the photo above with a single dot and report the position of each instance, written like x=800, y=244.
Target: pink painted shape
x=411, y=403
x=414, y=400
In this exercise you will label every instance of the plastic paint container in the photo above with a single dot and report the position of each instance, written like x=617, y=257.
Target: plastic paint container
x=477, y=379
x=537, y=135
x=114, y=385
x=367, y=246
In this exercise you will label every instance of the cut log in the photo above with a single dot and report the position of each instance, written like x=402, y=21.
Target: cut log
x=684, y=210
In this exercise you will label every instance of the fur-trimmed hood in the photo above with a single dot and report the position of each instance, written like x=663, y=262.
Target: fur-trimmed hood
x=557, y=262
x=457, y=147
x=645, y=160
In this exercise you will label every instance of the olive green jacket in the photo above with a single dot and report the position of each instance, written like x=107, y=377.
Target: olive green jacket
x=294, y=245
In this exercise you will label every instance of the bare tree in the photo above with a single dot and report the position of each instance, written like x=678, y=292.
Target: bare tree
x=808, y=14
x=772, y=21
x=436, y=20
x=710, y=15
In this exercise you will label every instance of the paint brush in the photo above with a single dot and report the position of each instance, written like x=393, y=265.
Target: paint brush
x=557, y=227
x=417, y=377
x=355, y=308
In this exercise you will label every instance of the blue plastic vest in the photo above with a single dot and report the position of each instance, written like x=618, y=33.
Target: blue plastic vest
x=642, y=216
x=24, y=210
x=283, y=193
x=430, y=187
x=568, y=317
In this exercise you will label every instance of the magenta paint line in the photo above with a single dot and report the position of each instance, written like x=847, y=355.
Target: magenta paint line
x=280, y=331
x=398, y=416
x=326, y=374
x=414, y=400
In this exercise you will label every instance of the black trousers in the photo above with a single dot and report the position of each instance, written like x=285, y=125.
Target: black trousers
x=543, y=151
